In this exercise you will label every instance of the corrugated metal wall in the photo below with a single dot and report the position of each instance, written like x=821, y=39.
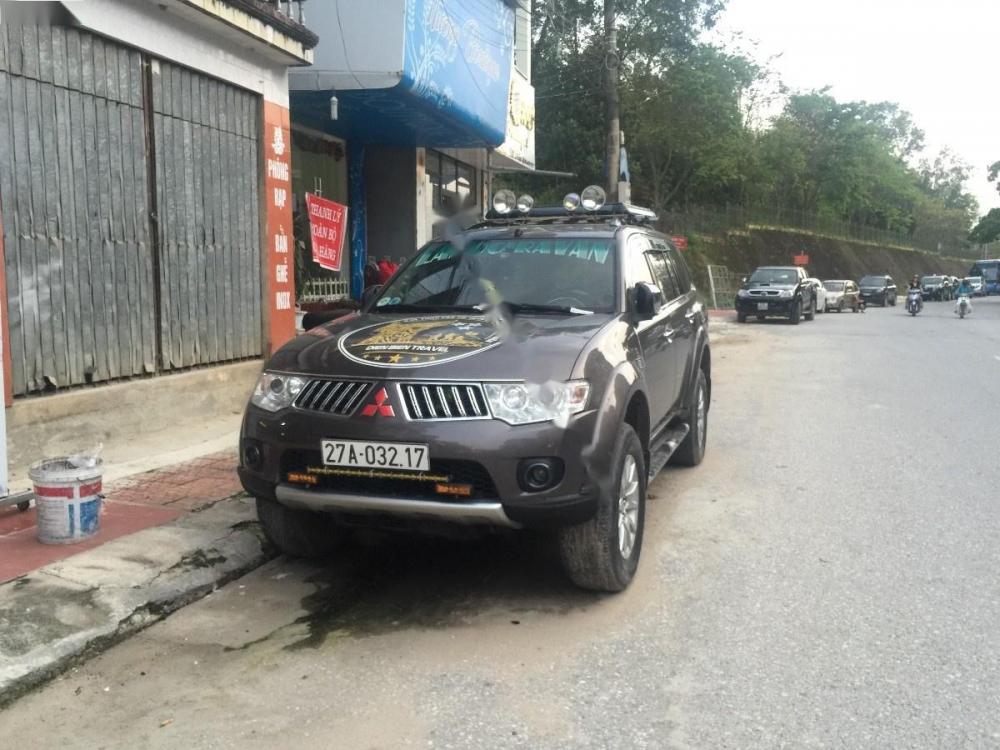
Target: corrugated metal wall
x=206, y=144
x=91, y=297
x=74, y=202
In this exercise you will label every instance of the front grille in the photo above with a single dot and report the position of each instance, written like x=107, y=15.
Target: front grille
x=338, y=397
x=406, y=486
x=764, y=292
x=426, y=401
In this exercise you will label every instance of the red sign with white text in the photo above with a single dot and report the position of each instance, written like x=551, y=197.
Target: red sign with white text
x=327, y=225
x=280, y=291
x=680, y=241
x=801, y=259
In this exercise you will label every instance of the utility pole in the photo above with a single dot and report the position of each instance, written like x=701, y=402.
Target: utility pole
x=612, y=114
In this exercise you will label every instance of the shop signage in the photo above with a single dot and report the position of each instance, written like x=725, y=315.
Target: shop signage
x=802, y=259
x=327, y=227
x=520, y=143
x=680, y=241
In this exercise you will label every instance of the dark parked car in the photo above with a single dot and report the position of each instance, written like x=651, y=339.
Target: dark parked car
x=842, y=294
x=936, y=287
x=533, y=372
x=777, y=291
x=878, y=290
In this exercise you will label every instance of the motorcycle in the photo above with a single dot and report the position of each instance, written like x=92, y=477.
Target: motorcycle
x=914, y=301
x=964, y=306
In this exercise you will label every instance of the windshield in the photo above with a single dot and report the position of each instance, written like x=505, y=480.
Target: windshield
x=571, y=273
x=774, y=276
x=977, y=280
x=873, y=281
x=834, y=286
x=931, y=280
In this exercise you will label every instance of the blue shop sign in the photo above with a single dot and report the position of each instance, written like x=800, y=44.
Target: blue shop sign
x=453, y=89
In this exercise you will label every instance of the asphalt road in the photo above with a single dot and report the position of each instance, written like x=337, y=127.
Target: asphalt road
x=827, y=578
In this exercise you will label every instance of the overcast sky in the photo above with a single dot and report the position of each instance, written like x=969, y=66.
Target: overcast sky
x=938, y=59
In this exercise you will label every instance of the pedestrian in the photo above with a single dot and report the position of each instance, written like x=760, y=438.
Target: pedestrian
x=386, y=268
x=372, y=274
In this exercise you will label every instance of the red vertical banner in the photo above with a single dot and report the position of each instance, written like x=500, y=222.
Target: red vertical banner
x=280, y=289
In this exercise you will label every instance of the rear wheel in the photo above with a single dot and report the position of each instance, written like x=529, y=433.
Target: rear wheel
x=300, y=533
x=692, y=450
x=602, y=554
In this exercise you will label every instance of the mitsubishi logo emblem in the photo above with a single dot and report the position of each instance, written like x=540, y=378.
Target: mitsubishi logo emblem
x=379, y=406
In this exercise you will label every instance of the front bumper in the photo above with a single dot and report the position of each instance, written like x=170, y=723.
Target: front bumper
x=775, y=305
x=289, y=442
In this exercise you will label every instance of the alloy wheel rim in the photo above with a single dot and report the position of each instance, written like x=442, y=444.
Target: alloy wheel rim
x=628, y=507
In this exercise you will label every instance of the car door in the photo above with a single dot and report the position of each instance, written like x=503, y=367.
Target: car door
x=674, y=310
x=690, y=313
x=655, y=336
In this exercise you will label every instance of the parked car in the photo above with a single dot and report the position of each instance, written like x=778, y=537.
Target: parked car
x=776, y=291
x=878, y=290
x=842, y=294
x=936, y=287
x=819, y=292
x=531, y=373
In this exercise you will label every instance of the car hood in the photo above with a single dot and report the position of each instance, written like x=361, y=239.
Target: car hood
x=531, y=348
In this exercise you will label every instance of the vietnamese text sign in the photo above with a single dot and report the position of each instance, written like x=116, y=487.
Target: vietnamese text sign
x=680, y=241
x=327, y=225
x=802, y=259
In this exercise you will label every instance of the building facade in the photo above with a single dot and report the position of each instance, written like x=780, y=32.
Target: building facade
x=407, y=109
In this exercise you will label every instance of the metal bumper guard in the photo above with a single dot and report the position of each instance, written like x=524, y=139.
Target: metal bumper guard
x=488, y=512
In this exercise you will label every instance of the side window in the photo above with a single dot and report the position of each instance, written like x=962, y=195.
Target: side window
x=681, y=270
x=636, y=266
x=664, y=274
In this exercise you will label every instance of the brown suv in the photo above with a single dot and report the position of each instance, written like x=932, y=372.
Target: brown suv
x=531, y=372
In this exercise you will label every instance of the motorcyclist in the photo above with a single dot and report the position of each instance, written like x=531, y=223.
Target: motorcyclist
x=915, y=289
x=915, y=282
x=964, y=289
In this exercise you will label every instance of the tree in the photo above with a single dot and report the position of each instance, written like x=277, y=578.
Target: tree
x=988, y=228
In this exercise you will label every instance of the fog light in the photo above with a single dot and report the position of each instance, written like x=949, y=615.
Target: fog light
x=253, y=454
x=538, y=474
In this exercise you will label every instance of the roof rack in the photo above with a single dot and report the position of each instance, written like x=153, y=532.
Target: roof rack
x=623, y=211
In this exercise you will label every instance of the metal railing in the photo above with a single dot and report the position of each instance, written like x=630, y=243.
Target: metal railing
x=294, y=9
x=700, y=220
x=324, y=290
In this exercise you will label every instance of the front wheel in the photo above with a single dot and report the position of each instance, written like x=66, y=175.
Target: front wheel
x=602, y=554
x=741, y=317
x=796, y=314
x=299, y=533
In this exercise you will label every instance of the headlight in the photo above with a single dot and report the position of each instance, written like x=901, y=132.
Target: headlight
x=526, y=403
x=785, y=293
x=742, y=294
x=275, y=392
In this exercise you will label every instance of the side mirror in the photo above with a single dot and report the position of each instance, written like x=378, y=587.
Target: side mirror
x=648, y=300
x=369, y=295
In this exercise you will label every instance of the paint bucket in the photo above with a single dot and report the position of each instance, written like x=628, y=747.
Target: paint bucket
x=67, y=498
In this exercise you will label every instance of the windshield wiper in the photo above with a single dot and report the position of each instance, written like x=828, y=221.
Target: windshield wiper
x=526, y=307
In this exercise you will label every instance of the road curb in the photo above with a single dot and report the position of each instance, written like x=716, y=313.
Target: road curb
x=68, y=611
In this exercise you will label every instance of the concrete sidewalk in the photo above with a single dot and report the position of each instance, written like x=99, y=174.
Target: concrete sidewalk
x=167, y=537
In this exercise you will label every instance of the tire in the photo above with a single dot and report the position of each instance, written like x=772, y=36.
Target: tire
x=591, y=552
x=796, y=314
x=741, y=317
x=692, y=450
x=811, y=315
x=299, y=533
x=840, y=307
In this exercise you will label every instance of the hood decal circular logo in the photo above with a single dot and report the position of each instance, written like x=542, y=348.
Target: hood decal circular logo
x=419, y=342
